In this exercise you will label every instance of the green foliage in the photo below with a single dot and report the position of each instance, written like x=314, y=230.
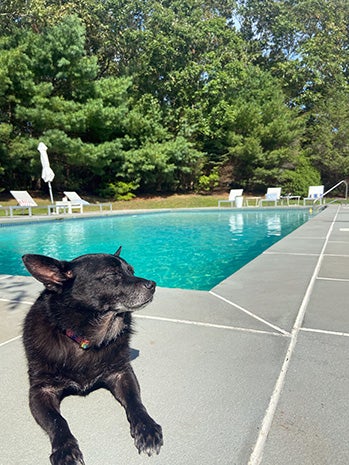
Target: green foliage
x=207, y=183
x=264, y=136
x=306, y=45
x=154, y=94
x=329, y=130
x=168, y=166
x=119, y=190
x=298, y=180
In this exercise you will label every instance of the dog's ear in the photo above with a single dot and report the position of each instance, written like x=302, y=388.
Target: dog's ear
x=49, y=271
x=118, y=252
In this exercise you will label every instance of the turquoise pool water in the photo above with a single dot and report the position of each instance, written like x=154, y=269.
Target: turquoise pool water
x=188, y=250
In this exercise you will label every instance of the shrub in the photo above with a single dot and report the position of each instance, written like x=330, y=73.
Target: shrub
x=207, y=183
x=298, y=181
x=119, y=190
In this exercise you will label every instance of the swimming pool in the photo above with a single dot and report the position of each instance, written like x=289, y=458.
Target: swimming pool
x=178, y=249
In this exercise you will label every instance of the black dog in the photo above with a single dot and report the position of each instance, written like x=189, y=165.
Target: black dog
x=76, y=337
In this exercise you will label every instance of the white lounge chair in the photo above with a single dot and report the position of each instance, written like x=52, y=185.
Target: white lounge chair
x=24, y=200
x=273, y=195
x=74, y=201
x=74, y=197
x=71, y=201
x=314, y=193
x=232, y=197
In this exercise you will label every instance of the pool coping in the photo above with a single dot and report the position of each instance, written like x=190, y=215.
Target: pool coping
x=274, y=334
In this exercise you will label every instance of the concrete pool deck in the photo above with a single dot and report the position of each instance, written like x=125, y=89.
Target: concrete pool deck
x=253, y=372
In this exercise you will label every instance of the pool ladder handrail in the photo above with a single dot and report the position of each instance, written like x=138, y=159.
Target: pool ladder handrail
x=331, y=189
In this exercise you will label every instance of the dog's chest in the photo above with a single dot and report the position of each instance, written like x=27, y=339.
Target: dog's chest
x=107, y=328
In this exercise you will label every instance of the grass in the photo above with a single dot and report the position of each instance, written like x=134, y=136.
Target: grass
x=170, y=201
x=138, y=203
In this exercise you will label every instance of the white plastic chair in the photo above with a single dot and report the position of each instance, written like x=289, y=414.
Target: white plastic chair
x=232, y=197
x=74, y=197
x=72, y=201
x=273, y=195
x=314, y=193
x=24, y=200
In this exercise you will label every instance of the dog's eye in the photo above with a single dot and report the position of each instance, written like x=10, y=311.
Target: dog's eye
x=112, y=274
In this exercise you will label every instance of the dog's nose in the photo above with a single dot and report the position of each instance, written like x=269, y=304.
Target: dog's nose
x=149, y=284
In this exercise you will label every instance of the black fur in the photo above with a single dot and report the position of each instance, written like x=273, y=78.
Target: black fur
x=90, y=299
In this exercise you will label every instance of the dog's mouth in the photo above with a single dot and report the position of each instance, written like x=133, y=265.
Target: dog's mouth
x=131, y=307
x=141, y=305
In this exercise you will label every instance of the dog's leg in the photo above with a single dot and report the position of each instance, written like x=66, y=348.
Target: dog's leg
x=146, y=432
x=45, y=406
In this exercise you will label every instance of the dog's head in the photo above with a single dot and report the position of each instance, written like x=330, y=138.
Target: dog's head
x=99, y=282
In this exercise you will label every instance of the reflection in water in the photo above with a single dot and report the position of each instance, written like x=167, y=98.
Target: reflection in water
x=236, y=223
x=274, y=225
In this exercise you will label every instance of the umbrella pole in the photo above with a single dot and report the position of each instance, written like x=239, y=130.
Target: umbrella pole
x=50, y=189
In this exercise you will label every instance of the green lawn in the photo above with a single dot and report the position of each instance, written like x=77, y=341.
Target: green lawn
x=149, y=202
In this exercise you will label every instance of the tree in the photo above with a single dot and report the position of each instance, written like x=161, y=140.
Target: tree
x=96, y=131
x=156, y=94
x=328, y=146
x=265, y=135
x=305, y=45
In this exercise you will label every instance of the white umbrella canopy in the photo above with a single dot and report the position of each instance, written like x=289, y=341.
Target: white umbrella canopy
x=47, y=173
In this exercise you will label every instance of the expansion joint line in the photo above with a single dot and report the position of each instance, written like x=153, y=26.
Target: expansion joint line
x=26, y=302
x=204, y=324
x=257, y=453
x=252, y=315
x=10, y=340
x=323, y=331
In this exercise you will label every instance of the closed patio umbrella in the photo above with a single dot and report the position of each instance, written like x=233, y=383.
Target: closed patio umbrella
x=47, y=173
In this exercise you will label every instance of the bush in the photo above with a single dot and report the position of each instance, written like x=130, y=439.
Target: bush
x=298, y=181
x=208, y=183
x=119, y=190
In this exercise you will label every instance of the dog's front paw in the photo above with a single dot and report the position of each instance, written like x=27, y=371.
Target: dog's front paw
x=68, y=454
x=147, y=436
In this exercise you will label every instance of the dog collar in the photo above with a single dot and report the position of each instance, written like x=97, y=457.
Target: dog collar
x=82, y=341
